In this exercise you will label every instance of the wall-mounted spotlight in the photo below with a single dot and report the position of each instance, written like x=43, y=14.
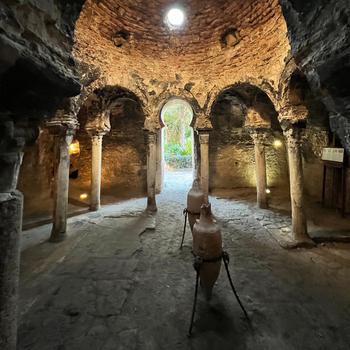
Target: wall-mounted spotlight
x=277, y=143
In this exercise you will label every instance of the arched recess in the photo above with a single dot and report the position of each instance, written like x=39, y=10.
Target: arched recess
x=124, y=149
x=237, y=110
x=189, y=107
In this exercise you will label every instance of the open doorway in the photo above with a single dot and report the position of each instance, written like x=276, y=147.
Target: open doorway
x=177, y=142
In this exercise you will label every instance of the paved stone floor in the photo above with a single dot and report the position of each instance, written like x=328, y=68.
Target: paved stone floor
x=118, y=283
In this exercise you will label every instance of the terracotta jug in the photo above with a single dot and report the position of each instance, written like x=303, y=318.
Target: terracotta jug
x=207, y=244
x=195, y=199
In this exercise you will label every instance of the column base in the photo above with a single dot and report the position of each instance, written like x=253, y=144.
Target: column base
x=151, y=206
x=95, y=207
x=263, y=205
x=300, y=241
x=57, y=237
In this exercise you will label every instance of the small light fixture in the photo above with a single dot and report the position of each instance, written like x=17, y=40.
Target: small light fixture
x=268, y=191
x=83, y=196
x=175, y=18
x=74, y=147
x=277, y=143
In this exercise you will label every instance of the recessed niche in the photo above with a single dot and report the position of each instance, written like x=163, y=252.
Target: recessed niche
x=121, y=38
x=230, y=38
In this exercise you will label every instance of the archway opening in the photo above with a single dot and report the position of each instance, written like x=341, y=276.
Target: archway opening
x=177, y=141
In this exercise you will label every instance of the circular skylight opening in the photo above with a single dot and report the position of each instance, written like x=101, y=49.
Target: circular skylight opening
x=175, y=18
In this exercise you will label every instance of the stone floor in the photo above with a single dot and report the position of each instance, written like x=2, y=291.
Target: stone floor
x=121, y=282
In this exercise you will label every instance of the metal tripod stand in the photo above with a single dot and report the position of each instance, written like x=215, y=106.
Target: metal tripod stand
x=185, y=212
x=197, y=264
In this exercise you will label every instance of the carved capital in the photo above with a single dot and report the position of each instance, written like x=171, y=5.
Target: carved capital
x=13, y=138
x=259, y=136
x=293, y=114
x=151, y=137
x=203, y=138
x=63, y=123
x=99, y=125
x=96, y=139
x=203, y=122
x=293, y=135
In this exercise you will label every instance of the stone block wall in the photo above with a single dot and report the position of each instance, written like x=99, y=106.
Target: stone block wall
x=232, y=163
x=36, y=175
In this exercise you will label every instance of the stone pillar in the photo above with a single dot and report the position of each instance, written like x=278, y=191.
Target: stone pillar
x=63, y=128
x=151, y=171
x=292, y=134
x=196, y=156
x=11, y=202
x=259, y=138
x=160, y=162
x=204, y=164
x=96, y=171
x=10, y=231
x=97, y=125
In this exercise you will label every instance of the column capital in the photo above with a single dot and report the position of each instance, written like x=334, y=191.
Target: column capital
x=203, y=137
x=259, y=136
x=293, y=135
x=13, y=139
x=293, y=114
x=99, y=124
x=202, y=121
x=96, y=139
x=151, y=137
x=62, y=123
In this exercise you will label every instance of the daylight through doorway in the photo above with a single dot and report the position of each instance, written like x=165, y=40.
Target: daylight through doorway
x=177, y=139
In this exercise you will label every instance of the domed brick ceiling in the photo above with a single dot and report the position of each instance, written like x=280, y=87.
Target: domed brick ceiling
x=221, y=42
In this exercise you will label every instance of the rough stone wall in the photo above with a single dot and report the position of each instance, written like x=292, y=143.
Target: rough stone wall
x=319, y=34
x=37, y=68
x=36, y=174
x=232, y=161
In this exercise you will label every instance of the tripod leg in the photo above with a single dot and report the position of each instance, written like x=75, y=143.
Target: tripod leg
x=234, y=290
x=184, y=231
x=194, y=305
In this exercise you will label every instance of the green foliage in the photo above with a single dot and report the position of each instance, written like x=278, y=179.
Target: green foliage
x=179, y=161
x=178, y=134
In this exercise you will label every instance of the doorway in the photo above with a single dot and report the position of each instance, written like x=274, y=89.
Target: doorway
x=177, y=143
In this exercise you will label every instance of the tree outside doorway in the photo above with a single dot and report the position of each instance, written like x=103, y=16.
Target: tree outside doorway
x=177, y=135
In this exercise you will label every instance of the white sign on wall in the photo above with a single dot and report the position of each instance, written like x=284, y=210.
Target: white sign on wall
x=333, y=154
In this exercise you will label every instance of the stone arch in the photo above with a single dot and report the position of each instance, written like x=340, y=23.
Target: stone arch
x=236, y=111
x=254, y=101
x=120, y=113
x=263, y=86
x=184, y=95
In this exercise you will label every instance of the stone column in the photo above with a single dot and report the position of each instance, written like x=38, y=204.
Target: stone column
x=292, y=134
x=11, y=145
x=160, y=162
x=151, y=171
x=97, y=125
x=204, y=164
x=196, y=156
x=63, y=128
x=259, y=138
x=96, y=171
